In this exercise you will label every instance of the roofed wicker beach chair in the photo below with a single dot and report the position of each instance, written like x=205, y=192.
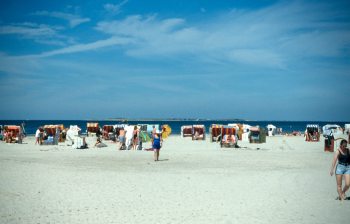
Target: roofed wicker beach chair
x=107, y=130
x=198, y=132
x=312, y=133
x=14, y=134
x=92, y=128
x=257, y=135
x=186, y=131
x=228, y=138
x=215, y=132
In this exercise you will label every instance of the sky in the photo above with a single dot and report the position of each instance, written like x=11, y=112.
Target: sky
x=256, y=60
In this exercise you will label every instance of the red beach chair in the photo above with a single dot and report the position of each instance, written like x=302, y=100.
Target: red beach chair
x=228, y=138
x=186, y=131
x=92, y=128
x=106, y=130
x=198, y=132
x=215, y=132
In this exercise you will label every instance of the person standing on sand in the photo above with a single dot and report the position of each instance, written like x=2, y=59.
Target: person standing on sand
x=156, y=144
x=134, y=138
x=37, y=136
x=342, y=156
x=121, y=139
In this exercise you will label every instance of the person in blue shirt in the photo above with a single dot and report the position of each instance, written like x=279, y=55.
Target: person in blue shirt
x=156, y=145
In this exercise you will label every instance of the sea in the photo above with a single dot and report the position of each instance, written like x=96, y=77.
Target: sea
x=31, y=126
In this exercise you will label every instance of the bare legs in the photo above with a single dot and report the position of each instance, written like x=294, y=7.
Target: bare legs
x=347, y=184
x=339, y=179
x=156, y=155
x=341, y=192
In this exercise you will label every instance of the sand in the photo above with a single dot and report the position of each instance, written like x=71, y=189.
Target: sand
x=286, y=180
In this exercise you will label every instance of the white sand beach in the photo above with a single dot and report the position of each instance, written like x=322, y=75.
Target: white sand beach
x=286, y=180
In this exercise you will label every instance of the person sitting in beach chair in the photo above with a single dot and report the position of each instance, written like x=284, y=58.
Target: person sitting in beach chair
x=229, y=139
x=7, y=136
x=198, y=132
x=196, y=136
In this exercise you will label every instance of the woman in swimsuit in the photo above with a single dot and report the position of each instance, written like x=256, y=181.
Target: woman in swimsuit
x=342, y=156
x=156, y=145
x=134, y=138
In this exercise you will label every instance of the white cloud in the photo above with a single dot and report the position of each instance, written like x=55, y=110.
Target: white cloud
x=40, y=33
x=268, y=37
x=256, y=56
x=113, y=41
x=72, y=19
x=29, y=29
x=114, y=9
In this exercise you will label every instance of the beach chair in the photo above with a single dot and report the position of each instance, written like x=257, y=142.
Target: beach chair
x=245, y=132
x=107, y=129
x=215, y=132
x=51, y=131
x=72, y=133
x=228, y=136
x=92, y=128
x=312, y=133
x=257, y=135
x=198, y=132
x=14, y=133
x=239, y=130
x=186, y=131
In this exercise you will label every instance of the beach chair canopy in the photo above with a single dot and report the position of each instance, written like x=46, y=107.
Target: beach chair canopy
x=186, y=130
x=12, y=128
x=119, y=126
x=237, y=126
x=228, y=130
x=333, y=127
x=108, y=128
x=312, y=127
x=50, y=129
x=246, y=128
x=92, y=125
x=74, y=128
x=216, y=130
x=254, y=129
x=271, y=127
x=199, y=127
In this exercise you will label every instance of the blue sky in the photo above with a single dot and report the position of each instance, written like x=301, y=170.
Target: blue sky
x=260, y=60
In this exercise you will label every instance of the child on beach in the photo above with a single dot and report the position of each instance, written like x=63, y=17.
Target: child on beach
x=342, y=156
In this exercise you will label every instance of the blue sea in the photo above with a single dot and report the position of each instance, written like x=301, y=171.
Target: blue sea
x=287, y=126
